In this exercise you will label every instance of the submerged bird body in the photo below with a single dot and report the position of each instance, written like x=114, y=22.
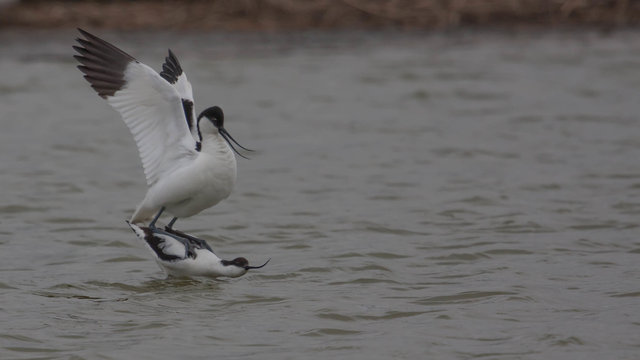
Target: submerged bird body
x=193, y=259
x=188, y=162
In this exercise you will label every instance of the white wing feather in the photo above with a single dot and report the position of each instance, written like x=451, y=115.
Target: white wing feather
x=173, y=73
x=150, y=104
x=171, y=247
x=183, y=87
x=152, y=109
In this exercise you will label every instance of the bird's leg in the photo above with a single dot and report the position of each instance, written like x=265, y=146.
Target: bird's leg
x=152, y=224
x=173, y=221
x=189, y=249
x=188, y=246
x=183, y=238
x=200, y=242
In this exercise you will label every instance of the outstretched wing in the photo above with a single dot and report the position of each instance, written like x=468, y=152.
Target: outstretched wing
x=172, y=72
x=151, y=107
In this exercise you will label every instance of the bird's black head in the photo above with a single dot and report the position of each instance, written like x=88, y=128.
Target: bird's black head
x=239, y=262
x=216, y=116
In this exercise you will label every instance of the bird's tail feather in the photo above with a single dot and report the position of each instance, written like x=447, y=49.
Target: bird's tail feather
x=142, y=214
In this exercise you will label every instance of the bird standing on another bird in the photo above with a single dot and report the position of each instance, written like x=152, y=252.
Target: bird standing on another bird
x=188, y=162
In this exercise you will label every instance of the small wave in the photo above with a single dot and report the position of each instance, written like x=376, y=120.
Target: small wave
x=331, y=331
x=464, y=297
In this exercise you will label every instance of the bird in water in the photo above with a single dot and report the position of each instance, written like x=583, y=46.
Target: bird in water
x=188, y=161
x=181, y=254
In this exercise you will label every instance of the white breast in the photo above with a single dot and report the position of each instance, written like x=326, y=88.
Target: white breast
x=202, y=184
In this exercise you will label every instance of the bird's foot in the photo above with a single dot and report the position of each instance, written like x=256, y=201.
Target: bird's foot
x=189, y=249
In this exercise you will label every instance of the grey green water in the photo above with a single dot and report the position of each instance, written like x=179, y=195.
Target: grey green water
x=422, y=196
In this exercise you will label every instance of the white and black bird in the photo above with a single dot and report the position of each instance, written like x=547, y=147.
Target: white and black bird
x=188, y=162
x=180, y=254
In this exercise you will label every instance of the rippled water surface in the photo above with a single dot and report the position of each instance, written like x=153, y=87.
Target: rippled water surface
x=447, y=196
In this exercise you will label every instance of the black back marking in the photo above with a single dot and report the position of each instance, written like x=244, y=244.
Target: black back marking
x=154, y=242
x=102, y=63
x=171, y=68
x=198, y=128
x=187, y=106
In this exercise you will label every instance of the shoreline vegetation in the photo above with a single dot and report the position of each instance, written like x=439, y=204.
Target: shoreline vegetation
x=289, y=15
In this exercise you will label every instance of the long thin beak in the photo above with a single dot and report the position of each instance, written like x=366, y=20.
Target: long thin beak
x=225, y=134
x=256, y=267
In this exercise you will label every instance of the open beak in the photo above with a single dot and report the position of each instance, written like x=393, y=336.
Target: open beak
x=225, y=134
x=256, y=267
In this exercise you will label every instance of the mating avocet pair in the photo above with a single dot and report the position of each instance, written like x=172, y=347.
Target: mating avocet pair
x=188, y=161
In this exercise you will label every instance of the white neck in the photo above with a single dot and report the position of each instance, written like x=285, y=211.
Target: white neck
x=206, y=263
x=215, y=144
x=214, y=265
x=229, y=271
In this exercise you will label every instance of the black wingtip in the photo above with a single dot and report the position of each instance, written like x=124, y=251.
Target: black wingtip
x=171, y=68
x=87, y=35
x=104, y=64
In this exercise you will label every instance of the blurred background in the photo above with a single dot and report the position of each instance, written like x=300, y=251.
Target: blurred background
x=433, y=180
x=315, y=14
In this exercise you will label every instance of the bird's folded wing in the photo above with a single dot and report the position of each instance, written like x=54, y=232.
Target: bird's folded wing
x=150, y=106
x=165, y=247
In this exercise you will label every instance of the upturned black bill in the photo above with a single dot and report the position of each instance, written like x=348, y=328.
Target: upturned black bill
x=256, y=267
x=225, y=134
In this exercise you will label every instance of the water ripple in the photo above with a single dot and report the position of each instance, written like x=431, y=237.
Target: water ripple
x=463, y=297
x=390, y=315
x=331, y=332
x=364, y=281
